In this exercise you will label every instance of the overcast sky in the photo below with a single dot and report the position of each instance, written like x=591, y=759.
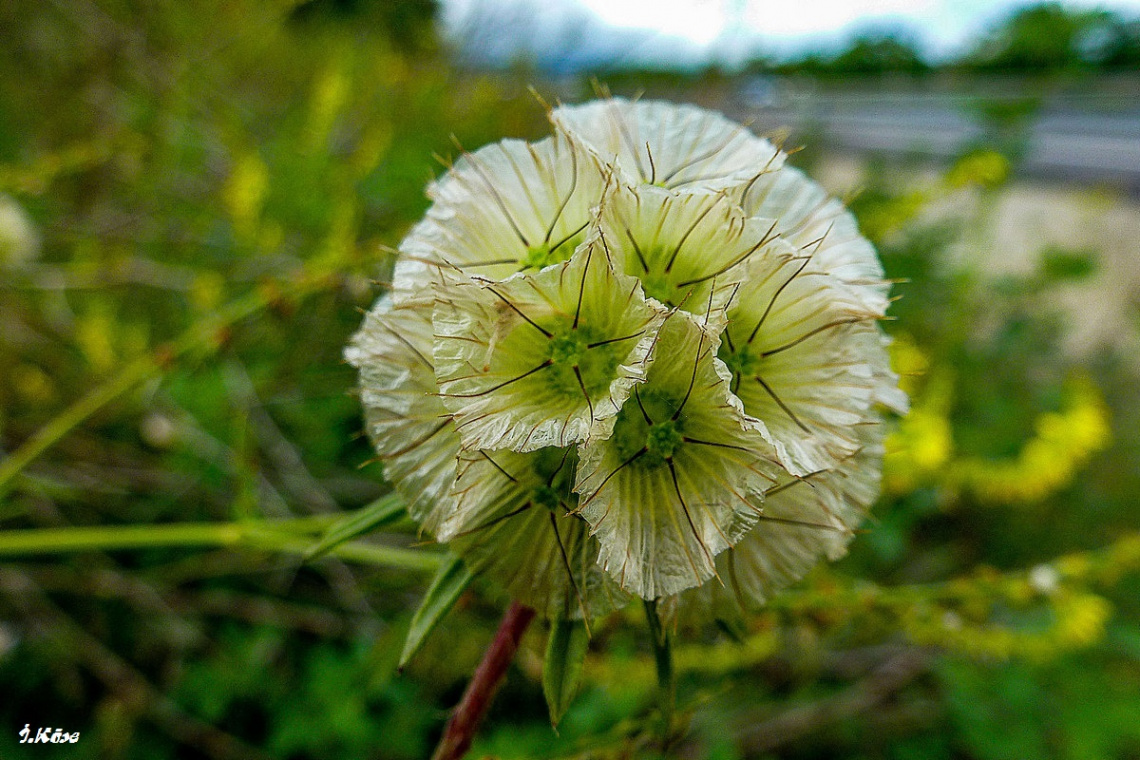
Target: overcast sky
x=728, y=31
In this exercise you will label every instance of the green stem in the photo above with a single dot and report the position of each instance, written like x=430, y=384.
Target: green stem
x=663, y=657
x=50, y=434
x=281, y=536
x=133, y=374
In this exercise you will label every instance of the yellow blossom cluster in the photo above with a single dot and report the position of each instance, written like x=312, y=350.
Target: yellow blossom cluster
x=1062, y=444
x=920, y=451
x=1076, y=619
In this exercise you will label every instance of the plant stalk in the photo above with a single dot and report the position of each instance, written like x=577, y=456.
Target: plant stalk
x=134, y=374
x=280, y=536
x=663, y=658
x=469, y=713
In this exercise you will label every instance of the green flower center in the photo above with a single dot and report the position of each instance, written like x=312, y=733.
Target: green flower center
x=545, y=496
x=663, y=439
x=542, y=255
x=575, y=353
x=658, y=286
x=653, y=443
x=741, y=362
x=567, y=348
x=537, y=257
x=669, y=286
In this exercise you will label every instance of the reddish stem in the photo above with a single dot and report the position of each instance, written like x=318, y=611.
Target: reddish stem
x=464, y=722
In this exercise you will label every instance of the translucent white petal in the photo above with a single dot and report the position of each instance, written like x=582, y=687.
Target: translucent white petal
x=806, y=359
x=679, y=479
x=673, y=146
x=808, y=218
x=542, y=359
x=408, y=425
x=687, y=249
x=512, y=524
x=887, y=390
x=506, y=207
x=803, y=520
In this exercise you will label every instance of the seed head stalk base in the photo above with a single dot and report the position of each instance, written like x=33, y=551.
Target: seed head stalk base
x=468, y=714
x=666, y=680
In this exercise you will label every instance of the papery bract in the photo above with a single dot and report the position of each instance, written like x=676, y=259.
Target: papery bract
x=542, y=358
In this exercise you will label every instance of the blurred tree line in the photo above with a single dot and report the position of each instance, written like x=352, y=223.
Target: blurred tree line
x=1047, y=38
x=1037, y=42
x=1044, y=39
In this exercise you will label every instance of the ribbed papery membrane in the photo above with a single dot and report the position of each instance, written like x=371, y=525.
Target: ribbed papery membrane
x=887, y=390
x=803, y=521
x=806, y=358
x=687, y=249
x=512, y=524
x=507, y=207
x=680, y=478
x=405, y=419
x=542, y=359
x=810, y=219
x=673, y=146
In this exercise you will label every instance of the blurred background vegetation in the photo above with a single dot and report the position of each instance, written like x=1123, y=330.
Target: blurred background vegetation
x=197, y=200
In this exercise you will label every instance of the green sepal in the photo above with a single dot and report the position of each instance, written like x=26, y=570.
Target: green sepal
x=453, y=577
x=383, y=511
x=562, y=667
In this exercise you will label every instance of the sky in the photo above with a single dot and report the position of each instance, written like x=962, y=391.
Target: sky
x=692, y=32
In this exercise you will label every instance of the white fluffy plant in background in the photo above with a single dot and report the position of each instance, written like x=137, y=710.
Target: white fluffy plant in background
x=638, y=358
x=19, y=240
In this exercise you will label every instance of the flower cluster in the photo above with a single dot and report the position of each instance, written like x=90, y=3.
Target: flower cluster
x=629, y=358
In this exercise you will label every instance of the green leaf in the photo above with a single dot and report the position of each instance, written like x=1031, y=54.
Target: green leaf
x=453, y=577
x=562, y=668
x=385, y=510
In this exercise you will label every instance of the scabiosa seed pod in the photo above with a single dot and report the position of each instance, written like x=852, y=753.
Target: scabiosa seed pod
x=509, y=207
x=803, y=519
x=515, y=522
x=640, y=357
x=543, y=359
x=682, y=476
x=403, y=413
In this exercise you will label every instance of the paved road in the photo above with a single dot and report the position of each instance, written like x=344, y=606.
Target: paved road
x=1090, y=140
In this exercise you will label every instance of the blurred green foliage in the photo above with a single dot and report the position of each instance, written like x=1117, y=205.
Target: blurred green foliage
x=212, y=188
x=1049, y=37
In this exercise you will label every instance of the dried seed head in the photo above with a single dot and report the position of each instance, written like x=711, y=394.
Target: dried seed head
x=685, y=249
x=514, y=523
x=631, y=357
